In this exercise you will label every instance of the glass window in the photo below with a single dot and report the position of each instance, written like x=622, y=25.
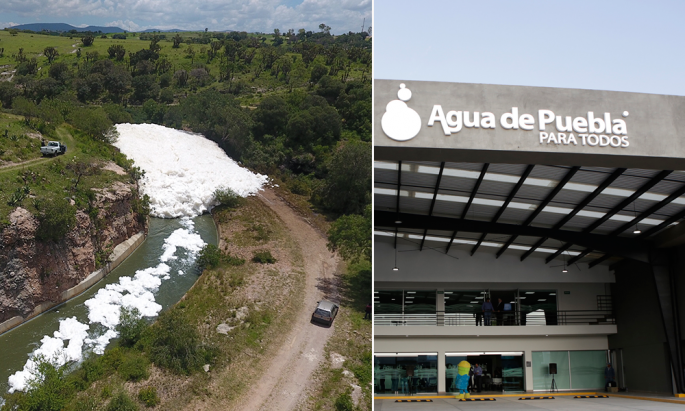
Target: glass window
x=418, y=373
x=587, y=369
x=451, y=371
x=387, y=302
x=419, y=302
x=538, y=307
x=542, y=379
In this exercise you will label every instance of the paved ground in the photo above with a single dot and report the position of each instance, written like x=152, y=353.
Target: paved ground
x=561, y=403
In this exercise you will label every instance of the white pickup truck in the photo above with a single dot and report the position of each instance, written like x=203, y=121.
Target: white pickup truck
x=53, y=148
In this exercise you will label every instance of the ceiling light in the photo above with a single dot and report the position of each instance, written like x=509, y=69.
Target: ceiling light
x=447, y=298
x=398, y=222
x=636, y=231
x=522, y=298
x=483, y=292
x=530, y=292
x=395, y=269
x=448, y=292
x=411, y=292
x=408, y=302
x=409, y=297
x=564, y=270
x=552, y=293
x=392, y=299
x=375, y=292
x=479, y=298
x=513, y=302
x=474, y=302
x=542, y=299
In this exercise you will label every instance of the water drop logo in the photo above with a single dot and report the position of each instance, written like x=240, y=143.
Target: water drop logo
x=400, y=122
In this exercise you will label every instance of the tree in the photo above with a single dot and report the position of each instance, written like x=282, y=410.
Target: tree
x=145, y=87
x=88, y=40
x=181, y=77
x=190, y=51
x=177, y=41
x=350, y=236
x=116, y=51
x=324, y=28
x=117, y=82
x=270, y=117
x=51, y=53
x=60, y=71
x=348, y=184
x=56, y=218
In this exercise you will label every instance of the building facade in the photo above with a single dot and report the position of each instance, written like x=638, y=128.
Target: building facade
x=559, y=206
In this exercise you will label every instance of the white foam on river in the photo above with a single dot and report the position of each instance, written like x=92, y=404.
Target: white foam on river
x=182, y=169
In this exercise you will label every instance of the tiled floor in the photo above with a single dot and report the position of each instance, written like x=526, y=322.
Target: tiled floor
x=560, y=403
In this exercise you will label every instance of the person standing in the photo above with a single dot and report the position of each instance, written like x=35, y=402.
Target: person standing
x=500, y=311
x=479, y=315
x=368, y=311
x=478, y=372
x=487, y=311
x=609, y=376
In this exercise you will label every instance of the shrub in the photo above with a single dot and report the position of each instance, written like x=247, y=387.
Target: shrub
x=48, y=389
x=210, y=257
x=122, y=402
x=134, y=367
x=131, y=326
x=344, y=402
x=56, y=218
x=148, y=396
x=228, y=198
x=176, y=343
x=264, y=257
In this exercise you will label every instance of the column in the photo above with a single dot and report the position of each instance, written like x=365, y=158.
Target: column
x=528, y=371
x=441, y=372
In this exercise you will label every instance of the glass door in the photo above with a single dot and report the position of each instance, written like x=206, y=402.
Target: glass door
x=512, y=372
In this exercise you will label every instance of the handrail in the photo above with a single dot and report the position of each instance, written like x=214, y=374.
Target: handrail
x=534, y=318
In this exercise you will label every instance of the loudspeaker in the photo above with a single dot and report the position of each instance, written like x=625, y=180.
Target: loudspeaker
x=552, y=368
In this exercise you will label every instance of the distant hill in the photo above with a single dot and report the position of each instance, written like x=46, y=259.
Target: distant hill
x=66, y=27
x=165, y=31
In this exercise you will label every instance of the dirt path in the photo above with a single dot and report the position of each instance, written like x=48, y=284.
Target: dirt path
x=288, y=373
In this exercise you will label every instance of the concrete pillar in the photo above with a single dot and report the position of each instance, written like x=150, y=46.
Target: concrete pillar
x=528, y=371
x=441, y=372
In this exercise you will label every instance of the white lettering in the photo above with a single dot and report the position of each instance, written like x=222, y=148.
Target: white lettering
x=562, y=138
x=572, y=139
x=562, y=127
x=476, y=119
x=552, y=138
x=488, y=120
x=583, y=136
x=596, y=124
x=592, y=140
x=454, y=121
x=617, y=143
x=625, y=143
x=545, y=117
x=620, y=127
x=607, y=123
x=527, y=122
x=543, y=137
x=603, y=140
x=438, y=115
x=513, y=116
x=580, y=125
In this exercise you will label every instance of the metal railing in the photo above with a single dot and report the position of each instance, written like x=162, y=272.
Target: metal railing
x=535, y=318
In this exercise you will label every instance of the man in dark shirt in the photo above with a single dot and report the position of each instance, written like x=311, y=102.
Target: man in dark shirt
x=487, y=311
x=500, y=311
x=478, y=372
x=609, y=376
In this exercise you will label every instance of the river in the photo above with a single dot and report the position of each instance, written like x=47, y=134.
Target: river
x=17, y=344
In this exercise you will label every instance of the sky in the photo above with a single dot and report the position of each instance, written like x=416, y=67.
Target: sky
x=216, y=15
x=624, y=45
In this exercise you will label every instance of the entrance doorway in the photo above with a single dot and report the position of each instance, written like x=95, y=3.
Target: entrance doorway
x=502, y=371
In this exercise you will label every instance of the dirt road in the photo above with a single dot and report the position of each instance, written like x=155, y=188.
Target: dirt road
x=288, y=374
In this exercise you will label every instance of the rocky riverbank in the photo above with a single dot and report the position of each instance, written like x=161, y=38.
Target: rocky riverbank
x=34, y=275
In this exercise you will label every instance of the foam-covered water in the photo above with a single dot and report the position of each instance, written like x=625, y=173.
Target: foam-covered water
x=182, y=169
x=74, y=338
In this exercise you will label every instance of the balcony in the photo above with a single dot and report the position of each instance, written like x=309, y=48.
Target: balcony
x=536, y=323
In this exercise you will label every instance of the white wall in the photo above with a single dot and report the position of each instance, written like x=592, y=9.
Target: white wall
x=494, y=344
x=434, y=266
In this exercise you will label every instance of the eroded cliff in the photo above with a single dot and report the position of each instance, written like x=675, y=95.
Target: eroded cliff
x=35, y=273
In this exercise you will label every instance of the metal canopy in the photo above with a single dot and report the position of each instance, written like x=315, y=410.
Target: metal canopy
x=581, y=213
